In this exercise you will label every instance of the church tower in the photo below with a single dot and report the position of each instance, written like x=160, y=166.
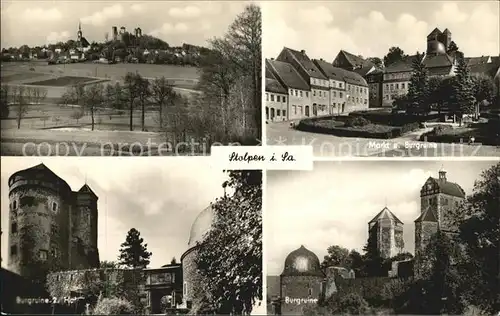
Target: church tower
x=79, y=33
x=387, y=230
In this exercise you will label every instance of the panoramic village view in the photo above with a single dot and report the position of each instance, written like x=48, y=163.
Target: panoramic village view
x=86, y=245
x=424, y=243
x=394, y=80
x=124, y=80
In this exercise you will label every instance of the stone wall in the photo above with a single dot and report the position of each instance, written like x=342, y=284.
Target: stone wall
x=298, y=292
x=192, y=287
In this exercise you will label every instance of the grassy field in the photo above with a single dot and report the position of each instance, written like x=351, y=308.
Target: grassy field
x=62, y=81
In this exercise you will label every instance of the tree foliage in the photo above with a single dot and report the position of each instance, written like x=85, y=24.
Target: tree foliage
x=462, y=98
x=133, y=252
x=418, y=87
x=230, y=258
x=394, y=55
x=337, y=256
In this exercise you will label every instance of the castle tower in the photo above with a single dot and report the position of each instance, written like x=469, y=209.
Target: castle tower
x=387, y=230
x=438, y=200
x=434, y=44
x=84, y=253
x=446, y=38
x=39, y=204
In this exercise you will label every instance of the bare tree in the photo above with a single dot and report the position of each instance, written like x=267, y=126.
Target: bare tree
x=5, y=98
x=132, y=93
x=44, y=117
x=77, y=114
x=21, y=107
x=144, y=92
x=162, y=93
x=38, y=94
x=93, y=98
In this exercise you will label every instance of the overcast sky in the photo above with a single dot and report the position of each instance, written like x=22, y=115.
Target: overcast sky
x=176, y=22
x=370, y=28
x=160, y=198
x=333, y=204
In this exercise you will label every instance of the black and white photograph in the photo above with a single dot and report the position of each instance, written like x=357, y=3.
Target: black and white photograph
x=390, y=78
x=125, y=78
x=383, y=238
x=107, y=236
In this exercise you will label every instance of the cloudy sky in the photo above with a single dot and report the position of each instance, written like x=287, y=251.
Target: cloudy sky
x=370, y=28
x=176, y=22
x=161, y=199
x=333, y=204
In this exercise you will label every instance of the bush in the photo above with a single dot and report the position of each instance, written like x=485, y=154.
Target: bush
x=350, y=303
x=113, y=306
x=356, y=122
x=394, y=288
x=441, y=129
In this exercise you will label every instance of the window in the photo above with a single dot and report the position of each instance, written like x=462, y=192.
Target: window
x=277, y=98
x=294, y=107
x=386, y=87
x=27, y=201
x=54, y=207
x=366, y=101
x=340, y=84
x=14, y=205
x=397, y=86
x=53, y=252
x=42, y=254
x=341, y=94
x=301, y=93
x=307, y=94
x=284, y=113
x=283, y=98
x=334, y=94
x=272, y=97
x=278, y=112
x=333, y=84
x=13, y=227
x=13, y=250
x=314, y=92
x=310, y=292
x=267, y=96
x=402, y=86
x=392, y=86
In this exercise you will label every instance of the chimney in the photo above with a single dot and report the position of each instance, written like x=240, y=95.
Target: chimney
x=272, y=58
x=303, y=52
x=442, y=175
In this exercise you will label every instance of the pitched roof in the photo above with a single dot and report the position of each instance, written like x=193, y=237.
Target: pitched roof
x=86, y=189
x=431, y=61
x=340, y=74
x=385, y=214
x=436, y=31
x=287, y=74
x=427, y=216
x=269, y=73
x=273, y=85
x=489, y=69
x=306, y=63
x=449, y=188
x=402, y=65
x=436, y=64
x=477, y=60
x=354, y=60
x=365, y=70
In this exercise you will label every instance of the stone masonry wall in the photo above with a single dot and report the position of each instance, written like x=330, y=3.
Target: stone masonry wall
x=298, y=292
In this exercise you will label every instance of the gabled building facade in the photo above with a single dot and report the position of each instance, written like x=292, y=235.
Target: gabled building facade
x=276, y=99
x=318, y=82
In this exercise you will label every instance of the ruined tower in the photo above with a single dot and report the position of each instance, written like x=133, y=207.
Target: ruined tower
x=387, y=230
x=42, y=212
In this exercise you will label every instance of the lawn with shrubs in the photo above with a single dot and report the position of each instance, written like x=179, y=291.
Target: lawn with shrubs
x=487, y=133
x=355, y=126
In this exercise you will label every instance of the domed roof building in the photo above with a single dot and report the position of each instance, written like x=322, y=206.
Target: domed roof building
x=301, y=282
x=302, y=262
x=191, y=278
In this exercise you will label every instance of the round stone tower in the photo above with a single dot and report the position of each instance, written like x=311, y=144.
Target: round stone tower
x=301, y=281
x=39, y=202
x=191, y=278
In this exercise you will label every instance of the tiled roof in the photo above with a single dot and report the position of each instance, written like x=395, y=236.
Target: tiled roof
x=477, y=60
x=434, y=32
x=306, y=63
x=269, y=73
x=273, y=85
x=449, y=188
x=287, y=74
x=356, y=60
x=340, y=74
x=495, y=59
x=489, y=69
x=86, y=189
x=385, y=214
x=400, y=66
x=431, y=61
x=364, y=70
x=427, y=216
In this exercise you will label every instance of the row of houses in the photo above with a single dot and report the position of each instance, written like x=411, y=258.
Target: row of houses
x=299, y=87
